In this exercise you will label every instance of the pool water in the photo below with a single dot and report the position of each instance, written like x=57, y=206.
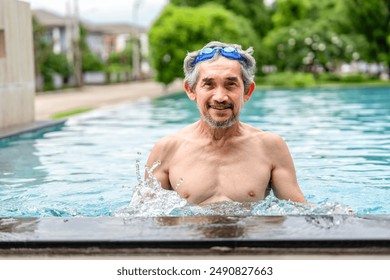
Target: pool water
x=90, y=166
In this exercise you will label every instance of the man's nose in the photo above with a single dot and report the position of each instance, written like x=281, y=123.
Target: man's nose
x=220, y=94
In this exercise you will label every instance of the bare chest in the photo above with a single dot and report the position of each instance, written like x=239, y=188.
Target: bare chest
x=212, y=176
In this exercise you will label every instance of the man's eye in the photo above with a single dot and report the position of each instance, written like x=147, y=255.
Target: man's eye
x=230, y=85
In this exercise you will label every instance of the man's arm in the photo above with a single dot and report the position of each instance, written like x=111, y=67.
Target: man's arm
x=161, y=173
x=284, y=181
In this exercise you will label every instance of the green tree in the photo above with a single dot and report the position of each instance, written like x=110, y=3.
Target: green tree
x=42, y=49
x=255, y=11
x=47, y=63
x=328, y=33
x=371, y=19
x=289, y=11
x=89, y=60
x=182, y=29
x=307, y=45
x=286, y=12
x=121, y=62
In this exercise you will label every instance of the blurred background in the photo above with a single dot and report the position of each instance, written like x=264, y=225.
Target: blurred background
x=296, y=42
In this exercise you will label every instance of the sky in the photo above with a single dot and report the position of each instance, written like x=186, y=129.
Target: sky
x=106, y=11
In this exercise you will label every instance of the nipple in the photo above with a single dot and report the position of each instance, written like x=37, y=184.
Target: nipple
x=186, y=195
x=251, y=194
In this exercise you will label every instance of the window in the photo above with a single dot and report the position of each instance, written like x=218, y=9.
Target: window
x=2, y=44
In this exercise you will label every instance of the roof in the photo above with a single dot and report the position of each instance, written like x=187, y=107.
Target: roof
x=51, y=19
x=119, y=28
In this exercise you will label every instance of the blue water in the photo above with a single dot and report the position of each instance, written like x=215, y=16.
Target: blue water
x=339, y=140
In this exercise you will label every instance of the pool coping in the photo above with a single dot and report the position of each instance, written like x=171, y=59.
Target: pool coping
x=14, y=131
x=276, y=236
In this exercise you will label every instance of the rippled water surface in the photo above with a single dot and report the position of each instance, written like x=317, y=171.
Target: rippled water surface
x=339, y=139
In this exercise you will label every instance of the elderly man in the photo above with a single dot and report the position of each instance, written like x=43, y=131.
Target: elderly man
x=219, y=158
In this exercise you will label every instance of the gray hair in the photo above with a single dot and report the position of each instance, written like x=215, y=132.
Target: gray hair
x=247, y=68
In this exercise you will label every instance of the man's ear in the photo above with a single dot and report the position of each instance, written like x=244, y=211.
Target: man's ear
x=190, y=93
x=248, y=94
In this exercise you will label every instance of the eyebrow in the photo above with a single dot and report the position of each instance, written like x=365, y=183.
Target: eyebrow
x=207, y=81
x=232, y=79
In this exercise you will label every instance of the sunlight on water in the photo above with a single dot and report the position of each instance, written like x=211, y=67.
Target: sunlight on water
x=151, y=200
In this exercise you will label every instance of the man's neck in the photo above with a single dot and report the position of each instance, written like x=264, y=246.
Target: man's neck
x=218, y=134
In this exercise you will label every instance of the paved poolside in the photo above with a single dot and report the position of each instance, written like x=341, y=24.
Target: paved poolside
x=49, y=104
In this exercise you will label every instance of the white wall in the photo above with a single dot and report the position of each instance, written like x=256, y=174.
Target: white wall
x=16, y=64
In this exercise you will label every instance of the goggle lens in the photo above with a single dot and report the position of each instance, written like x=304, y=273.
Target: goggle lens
x=228, y=52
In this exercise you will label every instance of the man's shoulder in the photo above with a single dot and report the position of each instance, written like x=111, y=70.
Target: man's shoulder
x=166, y=141
x=266, y=136
x=173, y=140
x=272, y=137
x=275, y=144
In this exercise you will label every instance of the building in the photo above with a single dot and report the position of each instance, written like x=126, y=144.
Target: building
x=102, y=39
x=58, y=29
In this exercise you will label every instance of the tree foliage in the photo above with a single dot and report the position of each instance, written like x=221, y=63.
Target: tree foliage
x=304, y=35
x=120, y=62
x=47, y=63
x=307, y=45
x=89, y=60
x=361, y=28
x=182, y=29
x=372, y=20
x=289, y=11
x=255, y=11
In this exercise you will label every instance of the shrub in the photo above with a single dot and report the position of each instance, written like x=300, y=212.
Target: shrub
x=329, y=77
x=288, y=79
x=303, y=80
x=353, y=78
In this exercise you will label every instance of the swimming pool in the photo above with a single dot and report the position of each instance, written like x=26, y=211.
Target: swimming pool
x=339, y=139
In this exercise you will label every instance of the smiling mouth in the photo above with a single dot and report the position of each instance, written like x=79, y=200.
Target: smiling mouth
x=221, y=107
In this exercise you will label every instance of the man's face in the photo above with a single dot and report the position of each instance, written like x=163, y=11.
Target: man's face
x=219, y=92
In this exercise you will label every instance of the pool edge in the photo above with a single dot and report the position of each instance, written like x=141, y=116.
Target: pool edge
x=14, y=131
x=207, y=236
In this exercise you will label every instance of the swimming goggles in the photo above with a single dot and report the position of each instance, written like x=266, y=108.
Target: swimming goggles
x=228, y=52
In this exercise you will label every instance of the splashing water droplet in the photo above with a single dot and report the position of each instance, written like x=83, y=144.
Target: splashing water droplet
x=150, y=199
x=179, y=183
x=138, y=173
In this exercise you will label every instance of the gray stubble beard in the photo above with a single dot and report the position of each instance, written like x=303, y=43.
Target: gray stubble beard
x=216, y=124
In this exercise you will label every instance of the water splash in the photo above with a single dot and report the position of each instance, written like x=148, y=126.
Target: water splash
x=151, y=200
x=270, y=206
x=274, y=206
